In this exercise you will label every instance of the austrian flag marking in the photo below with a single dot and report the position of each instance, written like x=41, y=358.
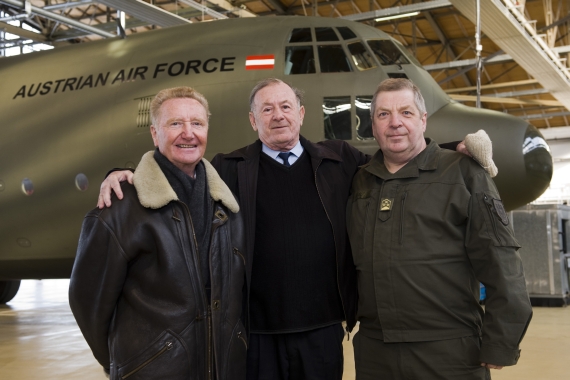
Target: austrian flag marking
x=260, y=62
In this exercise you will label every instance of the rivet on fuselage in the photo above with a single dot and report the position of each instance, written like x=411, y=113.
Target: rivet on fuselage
x=23, y=242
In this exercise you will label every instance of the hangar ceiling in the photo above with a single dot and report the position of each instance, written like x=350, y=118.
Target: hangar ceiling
x=525, y=44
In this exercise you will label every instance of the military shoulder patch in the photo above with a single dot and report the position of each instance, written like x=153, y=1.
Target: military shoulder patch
x=500, y=211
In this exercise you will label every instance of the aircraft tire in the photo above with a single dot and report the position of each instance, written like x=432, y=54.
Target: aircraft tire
x=8, y=290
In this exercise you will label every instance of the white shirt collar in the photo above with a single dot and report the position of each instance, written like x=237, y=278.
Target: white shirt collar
x=297, y=150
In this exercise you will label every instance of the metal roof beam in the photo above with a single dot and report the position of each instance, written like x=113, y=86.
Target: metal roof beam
x=146, y=12
x=554, y=24
x=544, y=115
x=515, y=94
x=17, y=17
x=513, y=33
x=23, y=32
x=62, y=19
x=395, y=11
x=490, y=99
x=71, y=4
x=466, y=63
x=493, y=86
x=55, y=7
x=236, y=10
x=204, y=9
x=131, y=23
x=471, y=62
x=445, y=42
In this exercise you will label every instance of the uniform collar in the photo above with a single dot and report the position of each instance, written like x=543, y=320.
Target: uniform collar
x=427, y=160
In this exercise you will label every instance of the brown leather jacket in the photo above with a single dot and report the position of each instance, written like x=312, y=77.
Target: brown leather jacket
x=334, y=163
x=136, y=290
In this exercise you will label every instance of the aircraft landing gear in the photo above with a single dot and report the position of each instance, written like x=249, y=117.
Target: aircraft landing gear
x=8, y=290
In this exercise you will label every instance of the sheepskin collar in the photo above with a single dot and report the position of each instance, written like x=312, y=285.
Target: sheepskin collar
x=154, y=191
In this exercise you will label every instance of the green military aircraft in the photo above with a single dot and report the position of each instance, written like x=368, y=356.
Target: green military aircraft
x=71, y=114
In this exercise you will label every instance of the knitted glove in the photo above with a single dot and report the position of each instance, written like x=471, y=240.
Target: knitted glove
x=481, y=148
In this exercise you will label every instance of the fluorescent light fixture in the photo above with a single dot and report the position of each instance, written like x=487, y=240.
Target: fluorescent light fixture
x=411, y=14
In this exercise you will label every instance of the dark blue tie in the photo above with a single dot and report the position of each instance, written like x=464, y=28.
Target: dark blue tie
x=285, y=157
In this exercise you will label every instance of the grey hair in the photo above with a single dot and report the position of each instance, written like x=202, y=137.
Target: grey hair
x=271, y=81
x=397, y=84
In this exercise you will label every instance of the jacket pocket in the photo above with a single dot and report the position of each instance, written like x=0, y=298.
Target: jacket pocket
x=497, y=221
x=237, y=354
x=239, y=254
x=165, y=358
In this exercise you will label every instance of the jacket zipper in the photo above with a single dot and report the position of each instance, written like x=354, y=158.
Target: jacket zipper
x=197, y=254
x=334, y=239
x=490, y=207
x=210, y=362
x=402, y=216
x=167, y=347
x=365, y=223
x=237, y=252
x=240, y=335
x=210, y=332
x=209, y=317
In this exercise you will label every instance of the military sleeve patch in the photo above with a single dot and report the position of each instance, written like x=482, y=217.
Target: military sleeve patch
x=500, y=211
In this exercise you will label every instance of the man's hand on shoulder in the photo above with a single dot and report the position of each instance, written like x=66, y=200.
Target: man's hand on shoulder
x=479, y=147
x=113, y=183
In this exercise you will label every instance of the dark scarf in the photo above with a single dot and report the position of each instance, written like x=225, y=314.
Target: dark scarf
x=194, y=194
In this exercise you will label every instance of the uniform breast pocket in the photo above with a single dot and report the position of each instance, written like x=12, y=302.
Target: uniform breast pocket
x=429, y=221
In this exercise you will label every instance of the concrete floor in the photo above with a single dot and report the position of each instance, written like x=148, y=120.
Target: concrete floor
x=40, y=340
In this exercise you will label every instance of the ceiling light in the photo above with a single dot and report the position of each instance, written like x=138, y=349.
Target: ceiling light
x=411, y=14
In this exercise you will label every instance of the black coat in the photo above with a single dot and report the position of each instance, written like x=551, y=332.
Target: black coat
x=136, y=290
x=334, y=163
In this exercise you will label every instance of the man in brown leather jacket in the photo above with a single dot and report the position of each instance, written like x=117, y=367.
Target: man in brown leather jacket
x=425, y=226
x=158, y=282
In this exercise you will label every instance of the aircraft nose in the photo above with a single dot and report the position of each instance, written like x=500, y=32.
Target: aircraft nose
x=537, y=159
x=519, y=150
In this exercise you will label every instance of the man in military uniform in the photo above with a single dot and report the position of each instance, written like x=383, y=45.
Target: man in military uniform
x=427, y=225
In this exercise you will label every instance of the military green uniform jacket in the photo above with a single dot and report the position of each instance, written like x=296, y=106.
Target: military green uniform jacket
x=422, y=239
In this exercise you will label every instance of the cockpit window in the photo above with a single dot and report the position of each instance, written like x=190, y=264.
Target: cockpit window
x=338, y=117
x=361, y=58
x=333, y=59
x=336, y=113
x=363, y=120
x=346, y=33
x=301, y=35
x=325, y=34
x=322, y=50
x=299, y=60
x=387, y=52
